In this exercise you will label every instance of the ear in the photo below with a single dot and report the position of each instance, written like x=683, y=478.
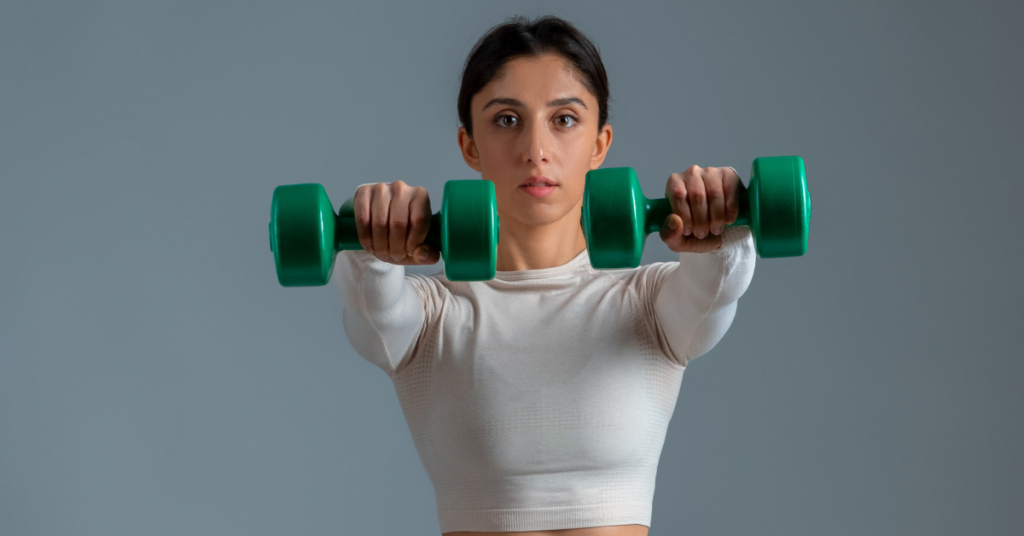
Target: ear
x=601, y=145
x=468, y=148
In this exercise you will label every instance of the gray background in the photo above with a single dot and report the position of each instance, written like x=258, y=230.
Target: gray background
x=155, y=379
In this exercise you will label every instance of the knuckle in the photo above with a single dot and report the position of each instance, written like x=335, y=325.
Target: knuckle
x=362, y=217
x=694, y=195
x=419, y=219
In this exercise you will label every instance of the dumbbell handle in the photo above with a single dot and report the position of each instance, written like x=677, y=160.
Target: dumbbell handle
x=346, y=237
x=659, y=209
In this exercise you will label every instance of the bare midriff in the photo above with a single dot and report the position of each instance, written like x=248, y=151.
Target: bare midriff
x=615, y=530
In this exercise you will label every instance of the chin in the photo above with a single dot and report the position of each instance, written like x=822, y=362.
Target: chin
x=542, y=215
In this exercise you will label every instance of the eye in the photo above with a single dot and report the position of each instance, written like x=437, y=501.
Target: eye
x=506, y=121
x=566, y=121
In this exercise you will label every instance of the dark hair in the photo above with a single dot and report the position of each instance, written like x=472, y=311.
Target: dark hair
x=519, y=37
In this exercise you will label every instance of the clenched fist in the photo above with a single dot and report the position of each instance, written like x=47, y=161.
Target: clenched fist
x=392, y=220
x=703, y=201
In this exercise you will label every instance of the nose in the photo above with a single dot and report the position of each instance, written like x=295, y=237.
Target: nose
x=537, y=143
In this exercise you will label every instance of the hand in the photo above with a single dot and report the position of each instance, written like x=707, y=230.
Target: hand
x=703, y=201
x=392, y=222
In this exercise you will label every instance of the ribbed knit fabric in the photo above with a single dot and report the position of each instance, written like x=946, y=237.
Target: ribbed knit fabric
x=540, y=400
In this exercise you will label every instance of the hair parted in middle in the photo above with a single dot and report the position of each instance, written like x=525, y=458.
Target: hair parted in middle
x=521, y=37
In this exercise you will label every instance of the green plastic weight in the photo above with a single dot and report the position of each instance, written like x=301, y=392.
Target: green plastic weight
x=306, y=234
x=617, y=217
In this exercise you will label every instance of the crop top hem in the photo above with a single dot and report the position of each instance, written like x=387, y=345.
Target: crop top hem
x=550, y=518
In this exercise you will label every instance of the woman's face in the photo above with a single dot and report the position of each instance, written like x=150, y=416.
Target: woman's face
x=535, y=136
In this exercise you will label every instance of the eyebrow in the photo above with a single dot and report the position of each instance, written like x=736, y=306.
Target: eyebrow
x=515, y=102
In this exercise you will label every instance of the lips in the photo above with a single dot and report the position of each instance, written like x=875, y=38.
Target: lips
x=538, y=181
x=538, y=186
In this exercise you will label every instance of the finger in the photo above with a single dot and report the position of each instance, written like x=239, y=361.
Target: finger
x=361, y=208
x=697, y=198
x=398, y=220
x=380, y=209
x=692, y=244
x=676, y=194
x=419, y=220
x=709, y=243
x=731, y=186
x=671, y=231
x=715, y=198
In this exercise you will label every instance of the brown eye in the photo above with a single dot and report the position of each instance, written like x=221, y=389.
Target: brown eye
x=507, y=121
x=566, y=121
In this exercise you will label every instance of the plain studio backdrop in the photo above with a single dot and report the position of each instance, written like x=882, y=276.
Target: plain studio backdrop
x=155, y=379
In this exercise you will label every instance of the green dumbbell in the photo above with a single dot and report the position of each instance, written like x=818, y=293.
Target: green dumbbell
x=306, y=234
x=617, y=217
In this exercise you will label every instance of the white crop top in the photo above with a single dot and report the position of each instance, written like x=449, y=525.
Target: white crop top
x=540, y=400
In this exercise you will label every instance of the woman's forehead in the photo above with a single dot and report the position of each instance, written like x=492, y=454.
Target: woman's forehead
x=534, y=80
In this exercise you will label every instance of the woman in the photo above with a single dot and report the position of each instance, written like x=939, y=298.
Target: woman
x=539, y=401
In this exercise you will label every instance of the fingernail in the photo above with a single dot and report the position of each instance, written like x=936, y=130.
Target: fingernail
x=701, y=234
x=718, y=230
x=672, y=224
x=687, y=231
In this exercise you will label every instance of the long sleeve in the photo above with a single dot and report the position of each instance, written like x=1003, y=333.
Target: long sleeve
x=694, y=300
x=384, y=313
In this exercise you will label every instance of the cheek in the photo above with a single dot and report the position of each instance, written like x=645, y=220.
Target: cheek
x=496, y=152
x=574, y=187
x=576, y=153
x=497, y=158
x=577, y=146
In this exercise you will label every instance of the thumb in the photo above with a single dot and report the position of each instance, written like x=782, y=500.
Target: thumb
x=671, y=231
x=425, y=254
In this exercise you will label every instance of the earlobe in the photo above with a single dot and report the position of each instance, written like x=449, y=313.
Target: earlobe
x=468, y=148
x=601, y=145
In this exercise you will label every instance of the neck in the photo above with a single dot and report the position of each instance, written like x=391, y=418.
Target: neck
x=534, y=247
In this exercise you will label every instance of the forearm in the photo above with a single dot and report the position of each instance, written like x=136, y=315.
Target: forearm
x=696, y=301
x=383, y=314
